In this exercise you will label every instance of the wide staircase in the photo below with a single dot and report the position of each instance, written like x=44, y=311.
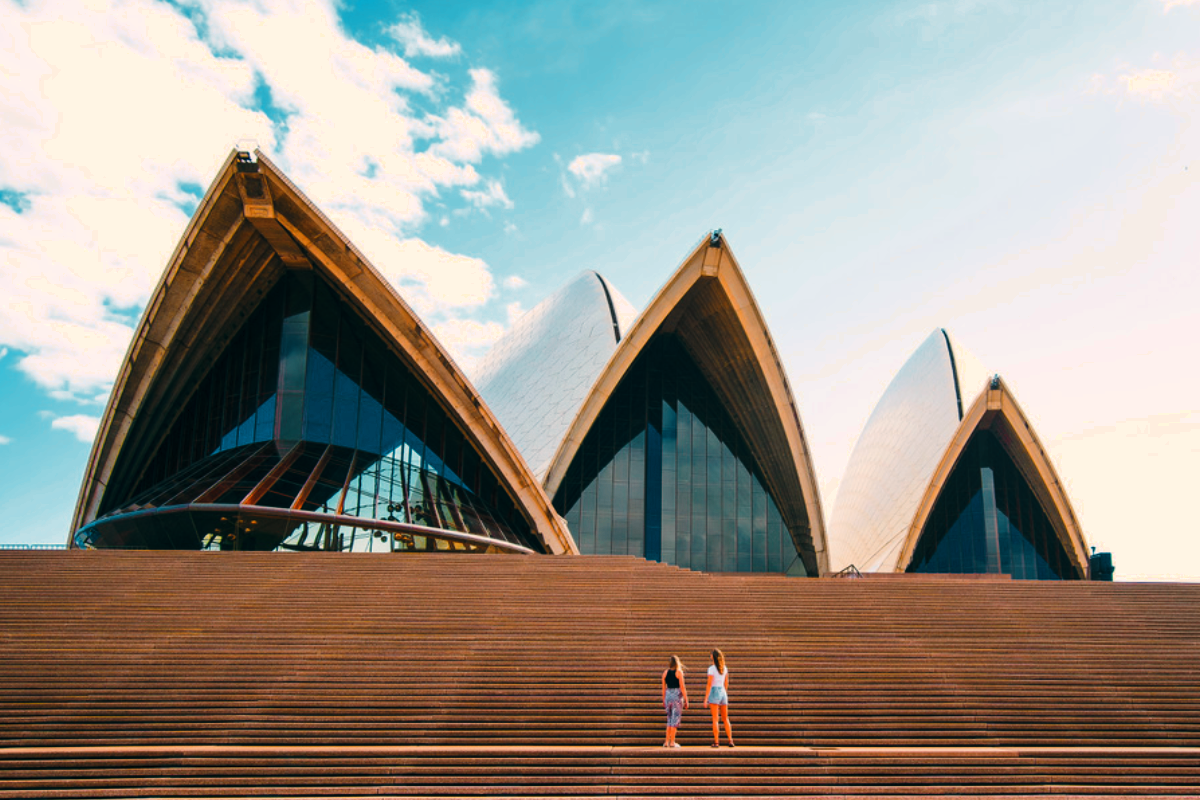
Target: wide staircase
x=155, y=674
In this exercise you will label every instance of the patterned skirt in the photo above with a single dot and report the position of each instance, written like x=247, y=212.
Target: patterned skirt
x=674, y=705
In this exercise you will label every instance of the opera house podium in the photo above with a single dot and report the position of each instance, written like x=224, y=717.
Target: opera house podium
x=176, y=674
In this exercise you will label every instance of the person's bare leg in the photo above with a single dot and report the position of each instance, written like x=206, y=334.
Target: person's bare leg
x=728, y=727
x=716, y=730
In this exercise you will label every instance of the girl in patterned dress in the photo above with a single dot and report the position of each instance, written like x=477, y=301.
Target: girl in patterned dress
x=674, y=697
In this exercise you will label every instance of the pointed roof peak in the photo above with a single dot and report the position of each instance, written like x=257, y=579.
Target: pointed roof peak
x=995, y=409
x=707, y=303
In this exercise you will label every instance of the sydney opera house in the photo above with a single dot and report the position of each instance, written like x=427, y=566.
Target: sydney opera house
x=280, y=395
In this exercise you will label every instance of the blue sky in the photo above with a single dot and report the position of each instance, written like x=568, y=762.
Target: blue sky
x=1022, y=173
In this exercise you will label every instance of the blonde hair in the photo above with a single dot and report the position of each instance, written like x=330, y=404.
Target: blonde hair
x=719, y=660
x=675, y=664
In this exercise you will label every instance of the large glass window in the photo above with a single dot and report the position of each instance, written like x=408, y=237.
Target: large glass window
x=987, y=520
x=235, y=402
x=665, y=474
x=325, y=420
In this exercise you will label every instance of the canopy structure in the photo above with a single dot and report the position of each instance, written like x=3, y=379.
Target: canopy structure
x=740, y=406
x=270, y=337
x=1029, y=504
x=948, y=476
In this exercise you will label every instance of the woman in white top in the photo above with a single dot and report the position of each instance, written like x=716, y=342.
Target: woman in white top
x=716, y=697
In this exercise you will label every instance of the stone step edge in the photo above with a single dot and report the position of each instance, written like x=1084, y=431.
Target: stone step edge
x=566, y=750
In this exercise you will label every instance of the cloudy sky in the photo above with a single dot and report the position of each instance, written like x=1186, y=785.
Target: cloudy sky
x=1026, y=174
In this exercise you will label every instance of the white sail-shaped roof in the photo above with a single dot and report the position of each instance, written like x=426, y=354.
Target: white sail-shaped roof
x=537, y=375
x=898, y=451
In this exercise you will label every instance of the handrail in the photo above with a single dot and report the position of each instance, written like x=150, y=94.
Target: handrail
x=33, y=547
x=849, y=572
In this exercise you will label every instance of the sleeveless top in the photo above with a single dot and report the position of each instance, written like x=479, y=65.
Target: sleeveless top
x=672, y=679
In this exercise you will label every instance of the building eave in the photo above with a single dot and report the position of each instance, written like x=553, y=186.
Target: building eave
x=708, y=304
x=997, y=410
x=232, y=251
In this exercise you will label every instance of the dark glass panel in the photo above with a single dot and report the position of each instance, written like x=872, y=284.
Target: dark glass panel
x=293, y=357
x=620, y=517
x=683, y=481
x=743, y=523
x=414, y=418
x=291, y=415
x=669, y=474
x=203, y=475
x=776, y=541
x=221, y=411
x=287, y=487
x=299, y=298
x=435, y=431
x=338, y=383
x=233, y=491
x=346, y=386
x=252, y=367
x=321, y=370
x=232, y=395
x=653, y=498
x=987, y=519
x=452, y=454
x=666, y=514
x=604, y=510
x=394, y=412
x=758, y=525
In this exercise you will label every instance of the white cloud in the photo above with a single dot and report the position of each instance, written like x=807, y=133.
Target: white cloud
x=484, y=125
x=492, y=195
x=1153, y=83
x=510, y=228
x=467, y=339
x=3, y=352
x=5, y=440
x=409, y=32
x=114, y=112
x=642, y=157
x=514, y=311
x=515, y=282
x=83, y=426
x=100, y=170
x=1174, y=83
x=1169, y=4
x=593, y=168
x=586, y=218
x=430, y=278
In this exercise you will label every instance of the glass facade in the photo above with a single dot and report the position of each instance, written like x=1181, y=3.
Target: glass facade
x=308, y=414
x=664, y=474
x=987, y=520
